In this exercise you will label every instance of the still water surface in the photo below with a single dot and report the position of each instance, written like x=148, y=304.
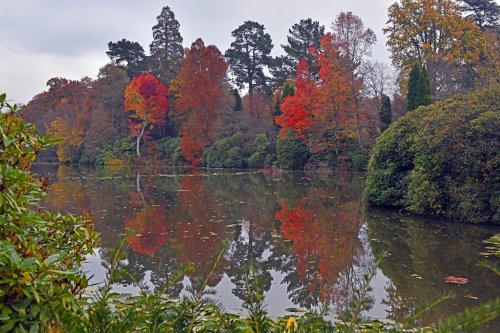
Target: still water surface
x=311, y=235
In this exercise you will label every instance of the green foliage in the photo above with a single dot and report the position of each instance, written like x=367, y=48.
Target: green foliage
x=166, y=51
x=249, y=54
x=292, y=152
x=120, y=150
x=303, y=35
x=385, y=113
x=128, y=55
x=40, y=252
x=441, y=160
x=262, y=155
x=170, y=149
x=419, y=90
x=358, y=158
x=472, y=319
x=238, y=106
x=226, y=152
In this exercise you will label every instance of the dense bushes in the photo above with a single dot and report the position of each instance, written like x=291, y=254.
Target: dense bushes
x=292, y=152
x=238, y=151
x=263, y=154
x=170, y=150
x=441, y=160
x=226, y=152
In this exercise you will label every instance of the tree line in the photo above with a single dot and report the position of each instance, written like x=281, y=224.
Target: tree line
x=322, y=103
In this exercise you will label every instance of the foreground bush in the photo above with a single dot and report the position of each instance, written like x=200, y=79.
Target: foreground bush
x=40, y=252
x=441, y=160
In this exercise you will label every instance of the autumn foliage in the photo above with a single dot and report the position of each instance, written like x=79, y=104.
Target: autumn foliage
x=148, y=99
x=324, y=235
x=149, y=230
x=321, y=112
x=199, y=96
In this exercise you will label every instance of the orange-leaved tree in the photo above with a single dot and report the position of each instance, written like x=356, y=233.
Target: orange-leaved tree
x=148, y=99
x=297, y=109
x=321, y=112
x=199, y=97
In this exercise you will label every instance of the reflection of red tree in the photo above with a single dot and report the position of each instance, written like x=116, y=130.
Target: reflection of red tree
x=325, y=243
x=150, y=227
x=199, y=230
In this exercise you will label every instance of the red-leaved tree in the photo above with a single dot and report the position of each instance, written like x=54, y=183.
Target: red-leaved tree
x=199, y=98
x=148, y=99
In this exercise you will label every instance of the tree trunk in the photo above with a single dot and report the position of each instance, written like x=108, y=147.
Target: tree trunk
x=139, y=137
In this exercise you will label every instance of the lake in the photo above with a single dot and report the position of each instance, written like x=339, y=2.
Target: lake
x=310, y=235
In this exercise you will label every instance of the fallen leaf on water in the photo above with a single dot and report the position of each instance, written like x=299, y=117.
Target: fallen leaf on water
x=455, y=280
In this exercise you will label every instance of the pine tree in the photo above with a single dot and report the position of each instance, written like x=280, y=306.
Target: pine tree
x=485, y=13
x=248, y=55
x=128, y=55
x=385, y=113
x=166, y=49
x=302, y=36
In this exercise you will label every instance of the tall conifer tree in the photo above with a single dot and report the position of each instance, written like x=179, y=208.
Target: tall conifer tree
x=166, y=49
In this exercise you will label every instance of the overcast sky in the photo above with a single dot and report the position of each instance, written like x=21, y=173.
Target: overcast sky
x=41, y=39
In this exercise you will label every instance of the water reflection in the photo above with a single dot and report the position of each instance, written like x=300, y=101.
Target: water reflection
x=308, y=233
x=423, y=254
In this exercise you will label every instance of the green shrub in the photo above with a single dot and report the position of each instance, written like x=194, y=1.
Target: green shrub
x=226, y=153
x=40, y=252
x=170, y=150
x=441, y=160
x=262, y=156
x=292, y=152
x=122, y=149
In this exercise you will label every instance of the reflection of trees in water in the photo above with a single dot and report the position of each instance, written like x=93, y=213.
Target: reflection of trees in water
x=199, y=224
x=323, y=226
x=422, y=254
x=250, y=207
x=304, y=226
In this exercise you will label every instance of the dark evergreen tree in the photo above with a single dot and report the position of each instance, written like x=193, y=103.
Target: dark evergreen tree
x=128, y=55
x=485, y=13
x=280, y=70
x=249, y=55
x=385, y=113
x=412, y=87
x=303, y=35
x=423, y=94
x=166, y=49
x=419, y=89
x=238, y=106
